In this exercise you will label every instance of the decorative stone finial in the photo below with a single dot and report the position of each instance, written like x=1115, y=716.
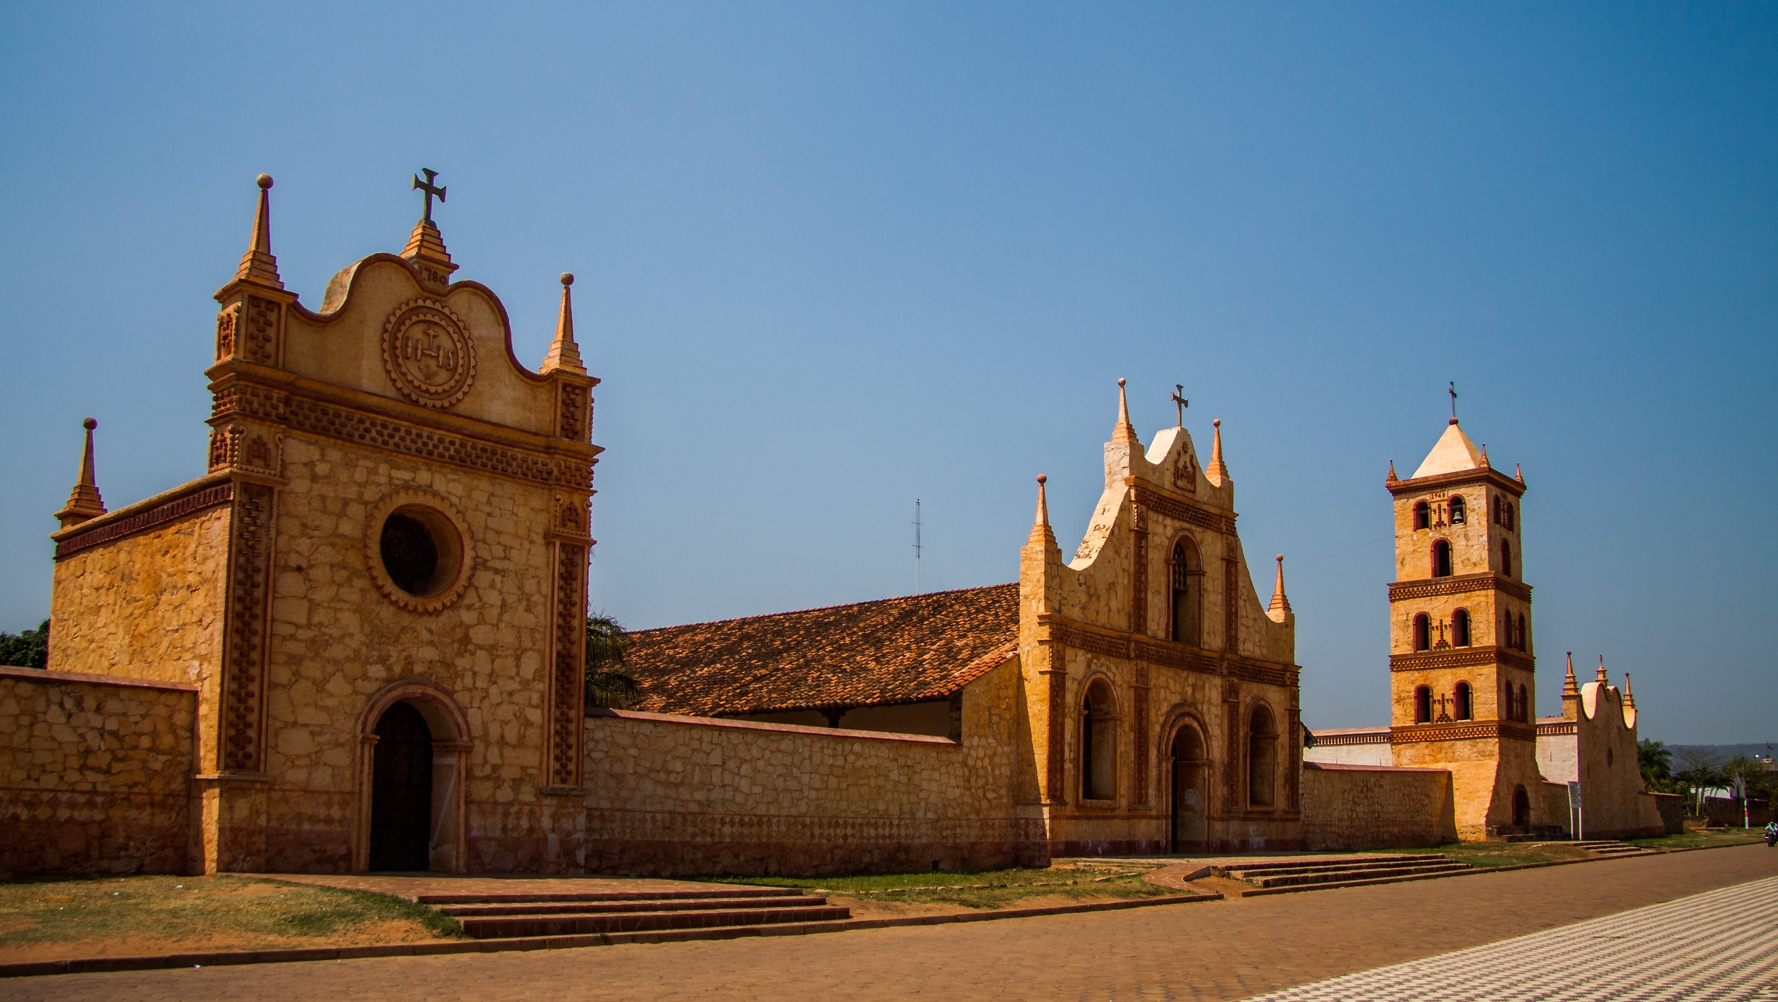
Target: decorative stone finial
x=564, y=354
x=258, y=265
x=1569, y=688
x=1602, y=678
x=1629, y=697
x=84, y=502
x=1041, y=533
x=1279, y=602
x=1124, y=432
x=1518, y=474
x=1485, y=464
x=1391, y=478
x=1217, y=470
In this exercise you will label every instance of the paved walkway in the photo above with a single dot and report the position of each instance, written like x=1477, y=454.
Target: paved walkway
x=1219, y=950
x=1716, y=947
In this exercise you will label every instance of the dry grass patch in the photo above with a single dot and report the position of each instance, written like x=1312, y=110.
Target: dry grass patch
x=127, y=916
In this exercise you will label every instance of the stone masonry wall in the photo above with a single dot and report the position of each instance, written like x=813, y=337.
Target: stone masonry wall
x=97, y=774
x=1369, y=807
x=680, y=796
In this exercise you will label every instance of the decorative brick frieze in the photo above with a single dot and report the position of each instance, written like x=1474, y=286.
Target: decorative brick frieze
x=160, y=514
x=1556, y=727
x=1139, y=566
x=1231, y=610
x=1482, y=729
x=1181, y=510
x=1461, y=657
x=244, y=653
x=1379, y=736
x=567, y=699
x=1139, y=734
x=571, y=414
x=1458, y=585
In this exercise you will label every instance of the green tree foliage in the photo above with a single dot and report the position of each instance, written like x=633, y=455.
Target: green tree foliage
x=1656, y=760
x=27, y=648
x=606, y=647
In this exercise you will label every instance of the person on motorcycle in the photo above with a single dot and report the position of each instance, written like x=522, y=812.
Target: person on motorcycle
x=1771, y=833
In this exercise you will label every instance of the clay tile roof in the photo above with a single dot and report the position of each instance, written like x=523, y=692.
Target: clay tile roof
x=897, y=650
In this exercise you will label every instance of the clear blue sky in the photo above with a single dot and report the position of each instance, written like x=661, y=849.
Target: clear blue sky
x=834, y=257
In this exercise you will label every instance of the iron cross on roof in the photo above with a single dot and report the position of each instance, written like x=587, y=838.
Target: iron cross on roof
x=427, y=187
x=1179, y=401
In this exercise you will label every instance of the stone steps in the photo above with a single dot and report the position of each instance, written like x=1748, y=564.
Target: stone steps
x=690, y=914
x=1611, y=847
x=1344, y=875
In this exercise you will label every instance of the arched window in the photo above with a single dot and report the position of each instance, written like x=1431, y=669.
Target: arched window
x=1185, y=598
x=1441, y=559
x=1506, y=558
x=1423, y=704
x=1422, y=516
x=1460, y=699
x=1460, y=628
x=1262, y=758
x=1422, y=632
x=1512, y=517
x=1098, y=745
x=1457, y=509
x=1498, y=518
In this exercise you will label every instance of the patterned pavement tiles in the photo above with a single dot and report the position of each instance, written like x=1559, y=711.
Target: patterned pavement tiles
x=1716, y=947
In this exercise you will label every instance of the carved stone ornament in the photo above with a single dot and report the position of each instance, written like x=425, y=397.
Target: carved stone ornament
x=1185, y=472
x=428, y=354
x=453, y=545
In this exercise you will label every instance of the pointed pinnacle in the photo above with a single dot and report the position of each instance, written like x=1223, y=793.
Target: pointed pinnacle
x=1569, y=688
x=258, y=265
x=1041, y=533
x=1602, y=677
x=1280, y=603
x=84, y=501
x=1124, y=432
x=564, y=354
x=1629, y=697
x=1217, y=470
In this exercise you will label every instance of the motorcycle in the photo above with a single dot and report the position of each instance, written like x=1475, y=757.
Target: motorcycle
x=1771, y=839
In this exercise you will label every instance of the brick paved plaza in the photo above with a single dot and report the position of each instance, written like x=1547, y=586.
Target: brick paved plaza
x=1222, y=950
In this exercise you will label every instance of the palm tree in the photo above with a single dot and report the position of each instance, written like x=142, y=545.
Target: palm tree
x=606, y=647
x=1656, y=760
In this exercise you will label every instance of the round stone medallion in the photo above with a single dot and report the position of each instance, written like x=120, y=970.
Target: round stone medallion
x=428, y=353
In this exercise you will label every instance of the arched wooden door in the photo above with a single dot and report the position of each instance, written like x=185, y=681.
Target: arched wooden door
x=401, y=791
x=1188, y=791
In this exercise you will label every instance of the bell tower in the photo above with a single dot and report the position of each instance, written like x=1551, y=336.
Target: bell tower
x=1460, y=654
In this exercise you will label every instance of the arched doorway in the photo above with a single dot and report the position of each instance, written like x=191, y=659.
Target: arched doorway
x=1521, y=807
x=1188, y=790
x=401, y=791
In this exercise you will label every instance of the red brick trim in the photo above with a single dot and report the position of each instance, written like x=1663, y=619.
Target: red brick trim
x=188, y=499
x=1461, y=657
x=1457, y=585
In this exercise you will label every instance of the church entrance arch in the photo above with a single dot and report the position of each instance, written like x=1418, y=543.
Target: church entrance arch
x=1189, y=766
x=401, y=791
x=414, y=745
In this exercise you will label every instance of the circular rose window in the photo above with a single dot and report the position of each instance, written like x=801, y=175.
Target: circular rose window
x=418, y=551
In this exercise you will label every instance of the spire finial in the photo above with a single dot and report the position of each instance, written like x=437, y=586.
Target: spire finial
x=1569, y=688
x=1485, y=463
x=1391, y=478
x=1518, y=473
x=1041, y=533
x=84, y=501
x=1124, y=432
x=1629, y=697
x=1279, y=602
x=1217, y=470
x=425, y=245
x=564, y=354
x=1602, y=677
x=258, y=265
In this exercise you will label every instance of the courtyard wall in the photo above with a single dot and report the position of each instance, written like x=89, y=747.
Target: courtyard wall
x=675, y=795
x=1375, y=807
x=97, y=774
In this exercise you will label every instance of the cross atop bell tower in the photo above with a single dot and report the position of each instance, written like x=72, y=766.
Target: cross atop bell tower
x=425, y=246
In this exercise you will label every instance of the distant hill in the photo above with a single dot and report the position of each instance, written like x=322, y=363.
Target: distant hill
x=1730, y=751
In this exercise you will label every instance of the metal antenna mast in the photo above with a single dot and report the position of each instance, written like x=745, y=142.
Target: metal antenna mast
x=916, y=546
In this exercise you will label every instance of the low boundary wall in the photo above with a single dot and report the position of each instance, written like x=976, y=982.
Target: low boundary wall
x=97, y=774
x=679, y=796
x=1356, y=807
